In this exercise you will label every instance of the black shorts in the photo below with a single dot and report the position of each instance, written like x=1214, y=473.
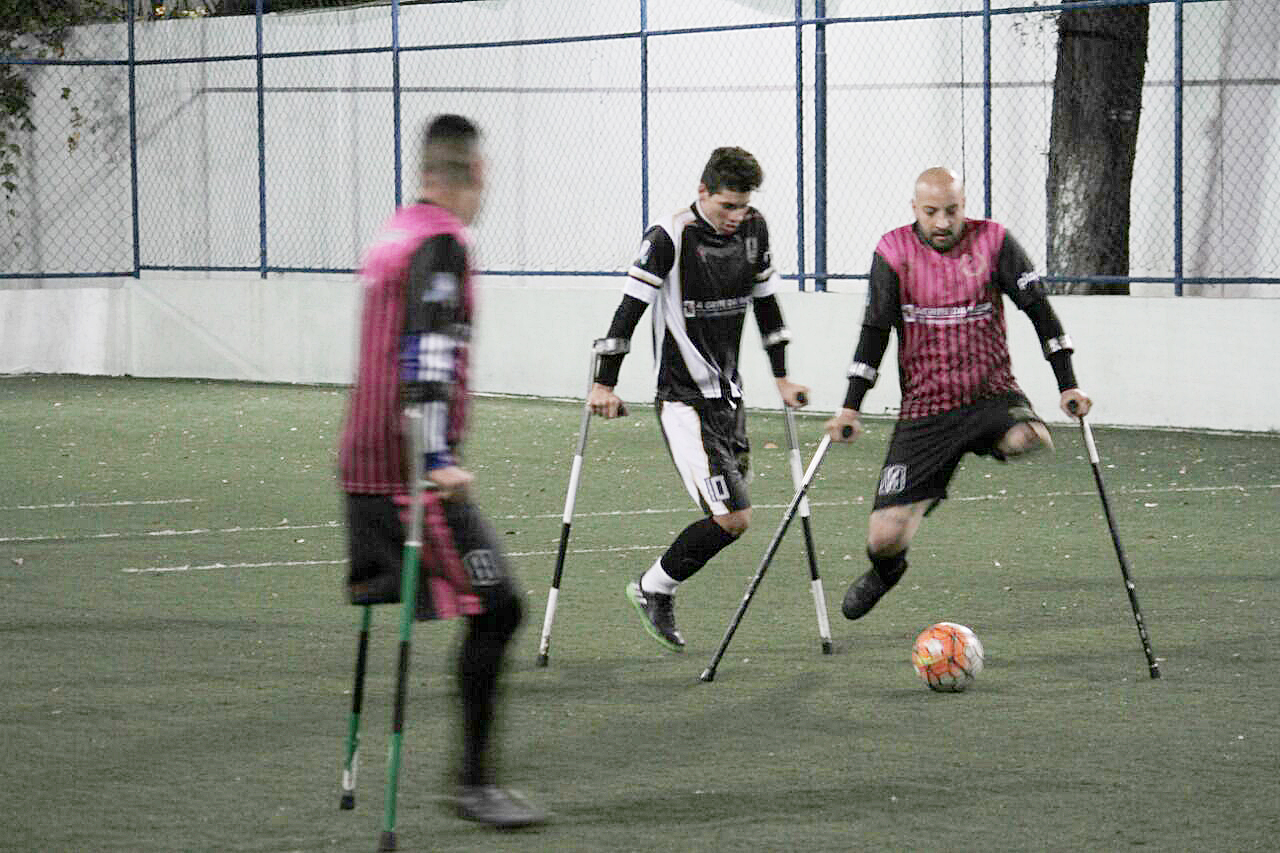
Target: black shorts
x=708, y=444
x=375, y=546
x=924, y=452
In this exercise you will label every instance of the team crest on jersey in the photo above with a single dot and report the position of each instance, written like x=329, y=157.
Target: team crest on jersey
x=893, y=479
x=753, y=247
x=973, y=266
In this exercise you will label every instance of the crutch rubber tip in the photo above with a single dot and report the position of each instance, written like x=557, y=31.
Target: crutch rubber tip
x=826, y=647
x=542, y=659
x=387, y=841
x=707, y=675
x=348, y=801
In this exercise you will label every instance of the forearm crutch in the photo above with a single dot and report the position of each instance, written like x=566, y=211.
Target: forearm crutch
x=1152, y=666
x=599, y=347
x=815, y=582
x=351, y=764
x=408, y=606
x=709, y=673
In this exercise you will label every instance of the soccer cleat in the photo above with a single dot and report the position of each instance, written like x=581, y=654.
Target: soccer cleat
x=497, y=807
x=867, y=590
x=658, y=613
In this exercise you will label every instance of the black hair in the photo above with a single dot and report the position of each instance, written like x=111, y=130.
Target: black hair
x=733, y=169
x=448, y=147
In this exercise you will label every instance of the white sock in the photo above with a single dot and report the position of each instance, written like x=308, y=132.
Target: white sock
x=657, y=580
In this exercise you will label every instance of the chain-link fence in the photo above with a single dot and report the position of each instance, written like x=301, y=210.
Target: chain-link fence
x=247, y=135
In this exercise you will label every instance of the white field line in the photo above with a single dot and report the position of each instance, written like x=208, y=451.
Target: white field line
x=98, y=504
x=198, y=531
x=152, y=570
x=209, y=566
x=517, y=518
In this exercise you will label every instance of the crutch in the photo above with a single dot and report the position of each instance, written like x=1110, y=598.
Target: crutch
x=408, y=606
x=1152, y=666
x=815, y=582
x=352, y=763
x=709, y=673
x=599, y=347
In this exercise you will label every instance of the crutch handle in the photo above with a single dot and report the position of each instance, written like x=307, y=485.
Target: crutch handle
x=802, y=399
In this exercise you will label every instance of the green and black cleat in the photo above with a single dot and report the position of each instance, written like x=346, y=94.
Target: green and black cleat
x=657, y=611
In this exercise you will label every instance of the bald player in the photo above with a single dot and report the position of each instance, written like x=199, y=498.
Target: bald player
x=939, y=283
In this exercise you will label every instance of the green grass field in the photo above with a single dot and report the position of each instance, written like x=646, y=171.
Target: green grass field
x=178, y=656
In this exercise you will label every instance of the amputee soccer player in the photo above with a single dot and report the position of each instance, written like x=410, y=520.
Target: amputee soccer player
x=939, y=282
x=413, y=352
x=701, y=269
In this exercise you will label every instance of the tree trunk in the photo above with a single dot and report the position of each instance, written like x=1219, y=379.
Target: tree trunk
x=1097, y=97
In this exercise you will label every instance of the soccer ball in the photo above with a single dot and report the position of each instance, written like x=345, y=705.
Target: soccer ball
x=947, y=656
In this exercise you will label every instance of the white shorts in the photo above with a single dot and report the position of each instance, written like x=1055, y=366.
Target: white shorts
x=708, y=445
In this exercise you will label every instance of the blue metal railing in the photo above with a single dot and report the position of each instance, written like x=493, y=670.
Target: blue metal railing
x=818, y=24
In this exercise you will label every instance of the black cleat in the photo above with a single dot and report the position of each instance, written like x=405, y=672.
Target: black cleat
x=497, y=807
x=658, y=613
x=867, y=590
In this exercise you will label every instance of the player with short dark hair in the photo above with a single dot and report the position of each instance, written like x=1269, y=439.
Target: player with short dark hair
x=701, y=269
x=413, y=353
x=940, y=282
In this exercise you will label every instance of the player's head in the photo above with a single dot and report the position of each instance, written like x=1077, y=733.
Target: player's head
x=938, y=204
x=724, y=191
x=451, y=166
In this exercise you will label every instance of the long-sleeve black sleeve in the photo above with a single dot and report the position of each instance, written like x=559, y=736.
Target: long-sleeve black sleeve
x=883, y=313
x=1018, y=279
x=773, y=332
x=625, y=319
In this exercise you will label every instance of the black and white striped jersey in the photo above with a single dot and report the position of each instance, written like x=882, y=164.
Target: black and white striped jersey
x=700, y=284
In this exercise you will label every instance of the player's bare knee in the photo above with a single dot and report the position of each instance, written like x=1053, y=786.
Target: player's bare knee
x=887, y=535
x=734, y=523
x=1026, y=437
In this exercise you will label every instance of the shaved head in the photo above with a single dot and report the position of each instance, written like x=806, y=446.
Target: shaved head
x=938, y=204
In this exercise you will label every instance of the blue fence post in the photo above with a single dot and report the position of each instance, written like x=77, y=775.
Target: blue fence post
x=800, y=267
x=1177, y=147
x=644, y=114
x=986, y=109
x=262, y=148
x=133, y=146
x=820, y=147
x=395, y=98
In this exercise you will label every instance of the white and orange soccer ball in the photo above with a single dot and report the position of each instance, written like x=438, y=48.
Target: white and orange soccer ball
x=947, y=656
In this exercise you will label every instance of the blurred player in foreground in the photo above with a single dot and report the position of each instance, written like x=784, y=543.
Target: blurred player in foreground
x=939, y=282
x=701, y=269
x=413, y=353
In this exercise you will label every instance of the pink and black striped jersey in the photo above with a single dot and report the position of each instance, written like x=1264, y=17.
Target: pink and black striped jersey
x=947, y=308
x=404, y=259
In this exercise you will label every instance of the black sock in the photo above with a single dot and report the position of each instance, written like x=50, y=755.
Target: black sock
x=694, y=547
x=889, y=568
x=479, y=665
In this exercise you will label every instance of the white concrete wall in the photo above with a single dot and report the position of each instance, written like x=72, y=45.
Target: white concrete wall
x=1146, y=361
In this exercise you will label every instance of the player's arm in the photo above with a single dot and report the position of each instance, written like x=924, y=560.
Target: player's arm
x=773, y=329
x=1017, y=278
x=434, y=332
x=882, y=315
x=644, y=280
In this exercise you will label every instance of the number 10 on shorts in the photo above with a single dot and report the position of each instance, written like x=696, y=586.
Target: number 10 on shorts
x=717, y=488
